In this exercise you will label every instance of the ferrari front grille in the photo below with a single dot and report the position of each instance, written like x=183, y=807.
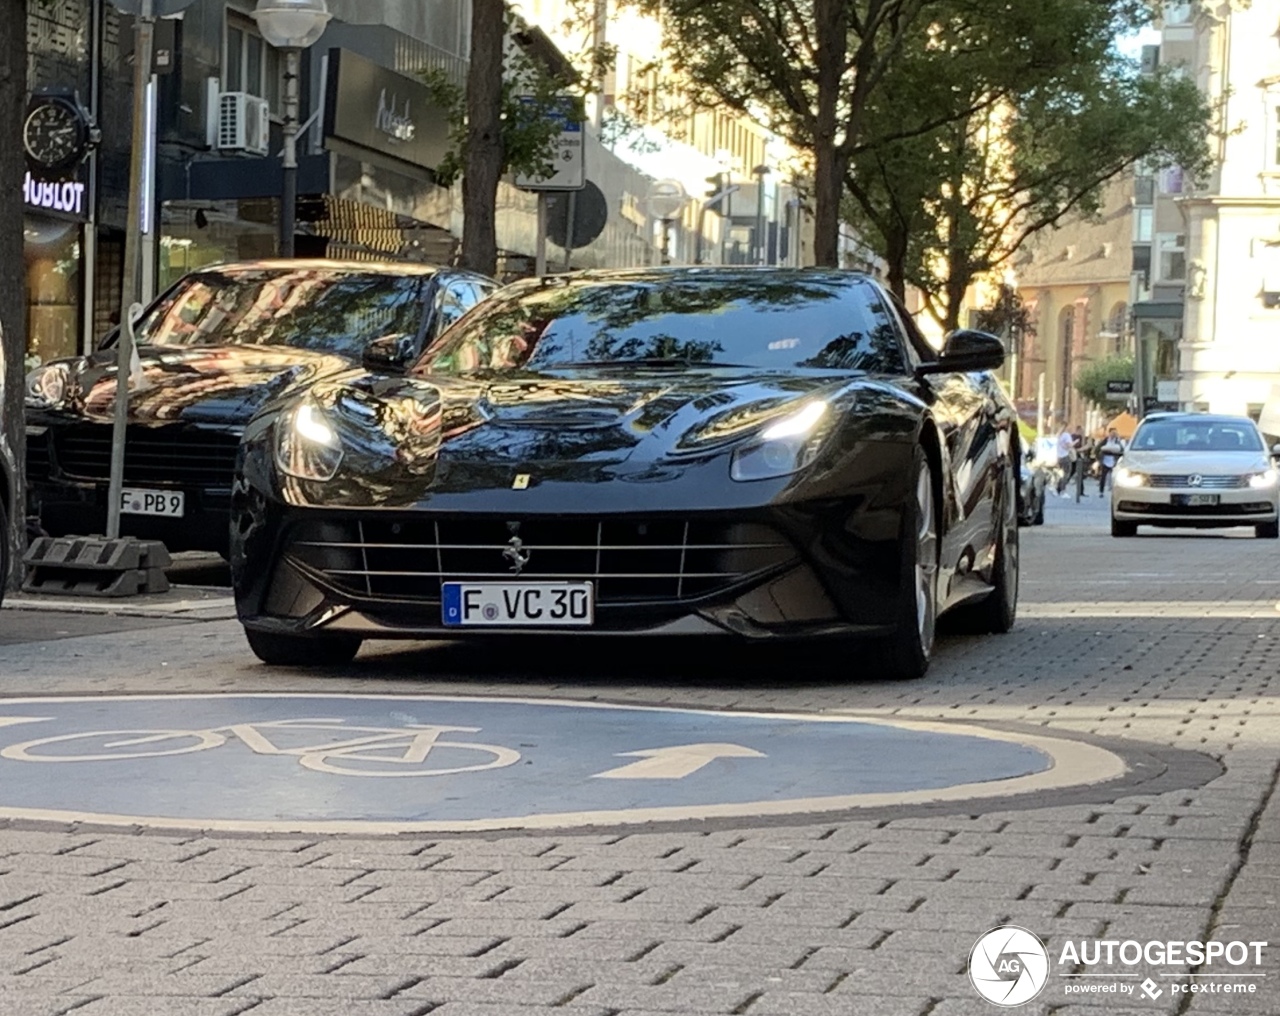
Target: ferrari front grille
x=630, y=561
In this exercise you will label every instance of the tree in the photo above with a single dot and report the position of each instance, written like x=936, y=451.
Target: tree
x=13, y=288
x=1091, y=379
x=500, y=120
x=1043, y=113
x=807, y=70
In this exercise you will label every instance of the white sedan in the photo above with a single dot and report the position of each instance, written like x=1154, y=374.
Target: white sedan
x=1196, y=470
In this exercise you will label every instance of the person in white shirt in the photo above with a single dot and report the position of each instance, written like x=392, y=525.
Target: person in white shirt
x=1066, y=458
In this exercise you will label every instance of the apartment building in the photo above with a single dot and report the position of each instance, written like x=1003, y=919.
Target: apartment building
x=1221, y=257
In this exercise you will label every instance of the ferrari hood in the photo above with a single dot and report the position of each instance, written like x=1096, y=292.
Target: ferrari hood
x=199, y=384
x=608, y=418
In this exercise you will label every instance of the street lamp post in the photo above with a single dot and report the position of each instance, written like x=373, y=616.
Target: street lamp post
x=290, y=26
x=761, y=244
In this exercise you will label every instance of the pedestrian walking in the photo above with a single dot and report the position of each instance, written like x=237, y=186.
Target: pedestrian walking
x=1066, y=458
x=1109, y=453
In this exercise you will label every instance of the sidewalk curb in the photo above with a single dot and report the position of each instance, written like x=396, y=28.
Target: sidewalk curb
x=207, y=608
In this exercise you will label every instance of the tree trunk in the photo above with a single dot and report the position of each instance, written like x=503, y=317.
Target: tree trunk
x=13, y=285
x=832, y=32
x=895, y=255
x=483, y=165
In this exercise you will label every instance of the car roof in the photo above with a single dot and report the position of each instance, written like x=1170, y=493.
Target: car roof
x=321, y=264
x=1198, y=417
x=658, y=272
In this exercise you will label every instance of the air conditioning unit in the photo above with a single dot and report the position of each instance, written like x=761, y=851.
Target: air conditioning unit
x=244, y=123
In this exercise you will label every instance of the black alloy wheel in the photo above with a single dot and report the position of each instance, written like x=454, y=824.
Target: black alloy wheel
x=907, y=651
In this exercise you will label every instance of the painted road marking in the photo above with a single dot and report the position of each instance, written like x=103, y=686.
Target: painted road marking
x=299, y=763
x=675, y=762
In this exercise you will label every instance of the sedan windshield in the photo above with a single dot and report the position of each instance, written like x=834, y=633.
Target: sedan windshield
x=321, y=309
x=732, y=319
x=1198, y=436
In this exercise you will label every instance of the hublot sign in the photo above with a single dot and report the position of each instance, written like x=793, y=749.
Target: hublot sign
x=65, y=196
x=396, y=125
x=375, y=108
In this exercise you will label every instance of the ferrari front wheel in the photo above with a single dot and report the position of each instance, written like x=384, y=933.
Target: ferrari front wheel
x=907, y=651
x=280, y=650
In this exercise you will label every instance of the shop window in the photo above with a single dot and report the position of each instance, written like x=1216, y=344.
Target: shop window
x=1171, y=257
x=52, y=253
x=249, y=64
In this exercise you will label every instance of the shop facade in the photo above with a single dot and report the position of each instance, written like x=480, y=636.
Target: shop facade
x=73, y=223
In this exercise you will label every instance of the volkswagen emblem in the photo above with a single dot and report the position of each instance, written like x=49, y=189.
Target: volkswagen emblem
x=1195, y=480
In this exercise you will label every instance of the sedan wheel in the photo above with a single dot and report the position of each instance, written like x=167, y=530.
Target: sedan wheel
x=1119, y=528
x=909, y=648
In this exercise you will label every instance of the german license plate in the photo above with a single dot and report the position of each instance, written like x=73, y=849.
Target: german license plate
x=1195, y=500
x=518, y=604
x=169, y=503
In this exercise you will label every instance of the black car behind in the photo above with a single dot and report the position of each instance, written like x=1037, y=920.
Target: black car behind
x=212, y=350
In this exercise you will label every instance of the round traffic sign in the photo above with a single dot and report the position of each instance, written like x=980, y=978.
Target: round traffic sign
x=666, y=198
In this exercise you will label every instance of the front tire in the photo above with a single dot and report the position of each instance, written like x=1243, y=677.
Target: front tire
x=1267, y=530
x=4, y=548
x=278, y=650
x=1119, y=528
x=907, y=651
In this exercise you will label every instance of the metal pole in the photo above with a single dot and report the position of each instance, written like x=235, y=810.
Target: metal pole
x=1040, y=418
x=697, y=236
x=568, y=233
x=760, y=243
x=144, y=40
x=289, y=184
x=540, y=244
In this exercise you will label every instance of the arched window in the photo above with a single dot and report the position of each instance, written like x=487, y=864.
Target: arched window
x=1117, y=327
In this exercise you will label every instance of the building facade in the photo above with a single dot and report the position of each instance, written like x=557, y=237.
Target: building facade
x=1229, y=359
x=1076, y=285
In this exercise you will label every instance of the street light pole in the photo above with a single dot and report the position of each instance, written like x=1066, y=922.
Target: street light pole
x=289, y=184
x=144, y=41
x=290, y=26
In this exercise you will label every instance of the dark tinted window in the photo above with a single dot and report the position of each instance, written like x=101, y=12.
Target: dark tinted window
x=775, y=322
x=330, y=311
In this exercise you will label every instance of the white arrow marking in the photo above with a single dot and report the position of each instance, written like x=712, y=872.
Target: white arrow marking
x=676, y=762
x=13, y=721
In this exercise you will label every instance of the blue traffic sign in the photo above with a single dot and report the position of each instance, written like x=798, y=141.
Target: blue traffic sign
x=403, y=763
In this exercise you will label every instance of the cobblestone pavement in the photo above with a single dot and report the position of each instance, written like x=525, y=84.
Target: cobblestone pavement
x=1168, y=640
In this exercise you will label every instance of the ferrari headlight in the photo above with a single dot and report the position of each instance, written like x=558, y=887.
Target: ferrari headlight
x=307, y=445
x=1130, y=478
x=784, y=447
x=47, y=385
x=1267, y=478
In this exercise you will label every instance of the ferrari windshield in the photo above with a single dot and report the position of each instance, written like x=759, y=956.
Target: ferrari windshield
x=1192, y=435
x=332, y=311
x=773, y=321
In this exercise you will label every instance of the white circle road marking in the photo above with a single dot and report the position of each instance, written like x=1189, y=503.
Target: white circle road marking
x=1073, y=764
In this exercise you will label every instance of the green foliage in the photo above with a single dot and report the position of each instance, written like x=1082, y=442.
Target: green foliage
x=1091, y=379
x=1036, y=112
x=529, y=93
x=1007, y=316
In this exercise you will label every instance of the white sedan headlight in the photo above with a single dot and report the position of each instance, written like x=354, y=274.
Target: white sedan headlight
x=1267, y=478
x=1130, y=478
x=47, y=385
x=784, y=447
x=307, y=444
